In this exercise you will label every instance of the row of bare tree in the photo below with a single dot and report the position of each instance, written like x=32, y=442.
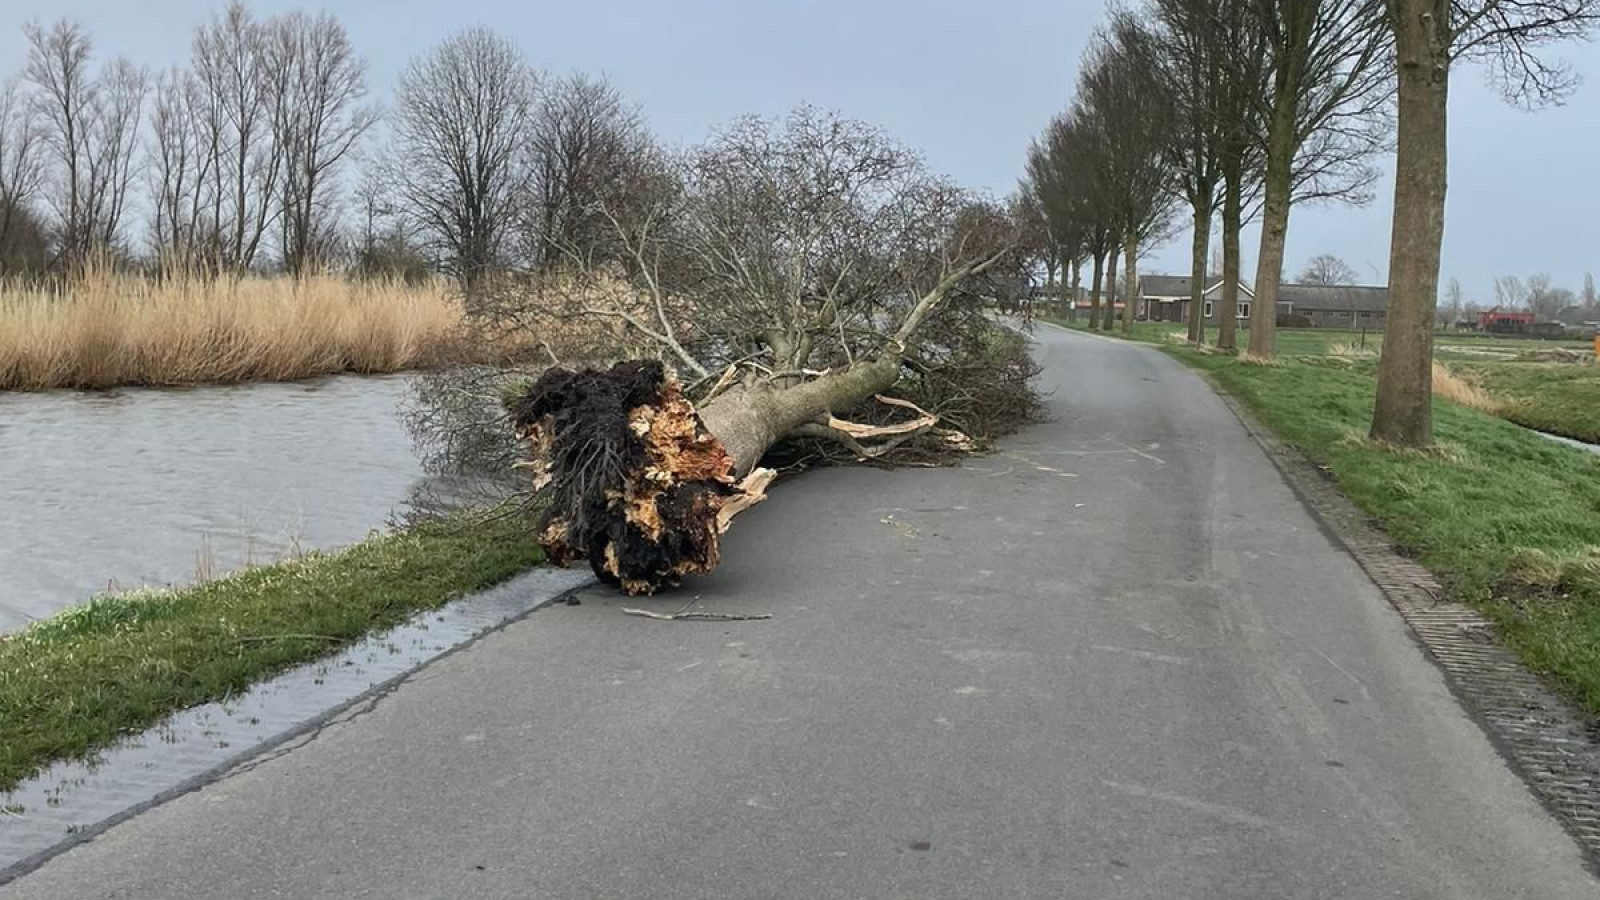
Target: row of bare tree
x=1249, y=107
x=253, y=153
x=241, y=147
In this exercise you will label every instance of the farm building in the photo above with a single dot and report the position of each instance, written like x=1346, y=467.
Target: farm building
x=1335, y=305
x=1165, y=298
x=1505, y=321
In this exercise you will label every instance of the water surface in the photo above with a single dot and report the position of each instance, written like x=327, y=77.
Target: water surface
x=158, y=486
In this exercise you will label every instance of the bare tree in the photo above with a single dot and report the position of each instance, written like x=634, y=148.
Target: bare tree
x=238, y=88
x=1590, y=298
x=461, y=124
x=1327, y=269
x=1055, y=198
x=21, y=172
x=181, y=174
x=1430, y=36
x=803, y=269
x=1080, y=153
x=1195, y=64
x=1122, y=98
x=1235, y=28
x=1330, y=80
x=1035, y=242
x=589, y=158
x=317, y=117
x=1509, y=292
x=112, y=150
x=91, y=123
x=1455, y=302
x=1544, y=299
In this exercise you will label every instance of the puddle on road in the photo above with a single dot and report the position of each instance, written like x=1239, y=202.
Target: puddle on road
x=75, y=799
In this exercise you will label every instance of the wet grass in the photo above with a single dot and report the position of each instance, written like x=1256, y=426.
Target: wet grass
x=1508, y=520
x=76, y=682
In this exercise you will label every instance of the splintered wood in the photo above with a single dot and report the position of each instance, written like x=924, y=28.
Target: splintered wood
x=644, y=499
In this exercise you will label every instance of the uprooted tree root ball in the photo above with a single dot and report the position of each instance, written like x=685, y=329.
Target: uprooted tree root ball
x=636, y=484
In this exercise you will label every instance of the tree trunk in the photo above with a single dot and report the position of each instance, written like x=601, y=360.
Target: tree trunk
x=1094, y=291
x=1109, y=319
x=1404, y=410
x=749, y=420
x=1232, y=212
x=1130, y=283
x=1072, y=297
x=1050, y=281
x=1197, y=271
x=1274, y=225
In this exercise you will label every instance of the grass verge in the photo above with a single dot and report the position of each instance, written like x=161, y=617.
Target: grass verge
x=1508, y=520
x=74, y=683
x=1491, y=374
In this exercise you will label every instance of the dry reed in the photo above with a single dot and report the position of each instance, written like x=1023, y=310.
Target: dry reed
x=1448, y=385
x=106, y=329
x=1350, y=350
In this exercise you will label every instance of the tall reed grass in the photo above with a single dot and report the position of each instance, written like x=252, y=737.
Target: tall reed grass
x=106, y=329
x=1450, y=386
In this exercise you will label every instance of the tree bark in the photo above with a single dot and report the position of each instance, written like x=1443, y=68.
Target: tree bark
x=1094, y=291
x=1197, y=272
x=1274, y=224
x=1109, y=319
x=1072, y=297
x=1130, y=283
x=749, y=420
x=1404, y=410
x=1050, y=280
x=1232, y=212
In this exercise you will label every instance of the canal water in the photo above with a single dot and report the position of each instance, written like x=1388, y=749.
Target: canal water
x=140, y=487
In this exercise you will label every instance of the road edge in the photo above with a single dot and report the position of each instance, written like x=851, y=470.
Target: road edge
x=1551, y=745
x=304, y=731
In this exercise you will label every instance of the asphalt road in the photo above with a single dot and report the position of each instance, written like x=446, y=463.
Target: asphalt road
x=1116, y=660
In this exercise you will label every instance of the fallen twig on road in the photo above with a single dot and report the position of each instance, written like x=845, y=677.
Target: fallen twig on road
x=716, y=617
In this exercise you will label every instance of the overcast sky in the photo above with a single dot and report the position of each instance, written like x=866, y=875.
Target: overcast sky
x=966, y=83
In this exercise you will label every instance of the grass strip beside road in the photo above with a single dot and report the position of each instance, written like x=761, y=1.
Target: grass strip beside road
x=74, y=683
x=1508, y=520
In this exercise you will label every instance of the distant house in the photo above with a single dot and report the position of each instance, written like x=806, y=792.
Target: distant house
x=1335, y=305
x=1165, y=298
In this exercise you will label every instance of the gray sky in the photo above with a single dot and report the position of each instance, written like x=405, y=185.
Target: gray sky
x=967, y=84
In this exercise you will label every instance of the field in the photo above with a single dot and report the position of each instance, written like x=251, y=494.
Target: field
x=1505, y=376
x=106, y=330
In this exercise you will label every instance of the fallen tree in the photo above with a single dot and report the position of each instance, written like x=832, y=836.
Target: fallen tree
x=806, y=287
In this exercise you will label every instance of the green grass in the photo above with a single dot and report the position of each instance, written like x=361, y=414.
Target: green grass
x=1560, y=398
x=74, y=683
x=1510, y=521
x=1555, y=397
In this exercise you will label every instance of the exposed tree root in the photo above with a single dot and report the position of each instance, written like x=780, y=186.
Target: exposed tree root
x=640, y=487
x=637, y=485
